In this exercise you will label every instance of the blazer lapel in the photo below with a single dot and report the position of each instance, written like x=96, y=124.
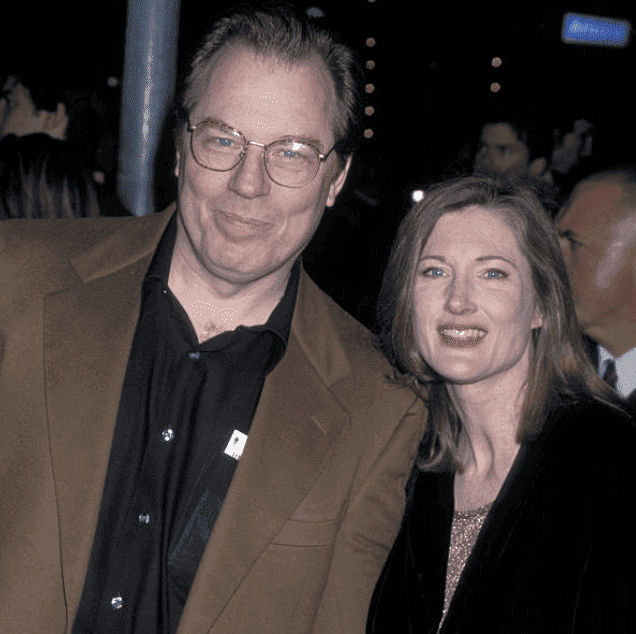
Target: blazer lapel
x=87, y=339
x=291, y=435
x=428, y=537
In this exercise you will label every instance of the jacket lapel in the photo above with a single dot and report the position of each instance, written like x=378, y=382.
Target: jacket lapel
x=88, y=331
x=294, y=426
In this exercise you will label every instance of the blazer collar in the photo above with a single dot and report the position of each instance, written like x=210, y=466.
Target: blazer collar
x=136, y=239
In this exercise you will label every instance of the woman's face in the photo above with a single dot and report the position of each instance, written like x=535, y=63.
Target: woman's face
x=474, y=299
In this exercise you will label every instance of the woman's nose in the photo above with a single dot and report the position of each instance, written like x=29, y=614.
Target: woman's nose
x=460, y=299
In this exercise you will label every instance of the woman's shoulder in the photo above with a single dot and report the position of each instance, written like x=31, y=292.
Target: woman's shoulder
x=599, y=428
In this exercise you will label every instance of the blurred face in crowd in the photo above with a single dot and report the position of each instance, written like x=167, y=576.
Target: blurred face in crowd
x=501, y=150
x=19, y=116
x=474, y=299
x=239, y=225
x=597, y=233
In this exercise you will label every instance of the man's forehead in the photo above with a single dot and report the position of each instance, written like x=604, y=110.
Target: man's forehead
x=593, y=206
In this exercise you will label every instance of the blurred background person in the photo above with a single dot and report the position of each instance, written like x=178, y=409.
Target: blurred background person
x=512, y=521
x=514, y=147
x=20, y=116
x=43, y=177
x=597, y=231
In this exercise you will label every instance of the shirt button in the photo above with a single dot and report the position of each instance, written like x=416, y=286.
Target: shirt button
x=167, y=434
x=195, y=355
x=144, y=519
x=117, y=603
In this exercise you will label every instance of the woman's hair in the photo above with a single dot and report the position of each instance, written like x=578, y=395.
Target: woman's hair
x=277, y=30
x=559, y=369
x=42, y=177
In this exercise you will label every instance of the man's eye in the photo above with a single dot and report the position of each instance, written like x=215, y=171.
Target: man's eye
x=569, y=240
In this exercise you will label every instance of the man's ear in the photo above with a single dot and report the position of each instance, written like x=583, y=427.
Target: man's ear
x=338, y=183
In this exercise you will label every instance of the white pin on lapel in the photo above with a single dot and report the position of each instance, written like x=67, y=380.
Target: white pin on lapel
x=236, y=445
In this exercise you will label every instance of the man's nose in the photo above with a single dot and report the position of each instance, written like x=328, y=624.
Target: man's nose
x=460, y=299
x=249, y=178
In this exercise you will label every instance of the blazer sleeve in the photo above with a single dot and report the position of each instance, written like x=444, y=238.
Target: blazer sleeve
x=368, y=531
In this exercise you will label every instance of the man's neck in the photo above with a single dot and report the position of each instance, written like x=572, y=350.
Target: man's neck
x=215, y=305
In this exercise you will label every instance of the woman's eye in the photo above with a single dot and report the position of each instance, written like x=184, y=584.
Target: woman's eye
x=433, y=272
x=496, y=274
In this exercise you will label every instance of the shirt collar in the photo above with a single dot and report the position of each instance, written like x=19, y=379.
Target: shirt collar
x=625, y=369
x=279, y=322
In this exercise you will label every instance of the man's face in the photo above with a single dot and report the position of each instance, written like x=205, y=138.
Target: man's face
x=597, y=240
x=239, y=225
x=501, y=151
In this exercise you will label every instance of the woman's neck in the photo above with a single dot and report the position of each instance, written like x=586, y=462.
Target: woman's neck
x=488, y=445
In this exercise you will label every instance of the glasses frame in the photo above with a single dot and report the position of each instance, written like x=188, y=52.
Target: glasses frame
x=191, y=129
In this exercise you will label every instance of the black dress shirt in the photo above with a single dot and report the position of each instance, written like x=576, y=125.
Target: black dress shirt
x=184, y=409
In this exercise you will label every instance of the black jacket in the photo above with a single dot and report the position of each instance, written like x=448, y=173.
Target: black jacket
x=557, y=553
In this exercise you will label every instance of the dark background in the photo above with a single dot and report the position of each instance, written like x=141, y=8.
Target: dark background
x=432, y=80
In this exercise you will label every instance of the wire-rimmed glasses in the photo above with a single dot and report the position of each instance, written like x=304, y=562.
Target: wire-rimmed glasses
x=289, y=162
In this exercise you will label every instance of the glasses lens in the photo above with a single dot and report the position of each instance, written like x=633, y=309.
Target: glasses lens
x=216, y=147
x=292, y=164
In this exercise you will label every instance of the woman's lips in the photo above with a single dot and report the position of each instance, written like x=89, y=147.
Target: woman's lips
x=461, y=335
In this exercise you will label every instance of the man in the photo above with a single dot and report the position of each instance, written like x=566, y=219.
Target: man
x=143, y=357
x=504, y=149
x=597, y=228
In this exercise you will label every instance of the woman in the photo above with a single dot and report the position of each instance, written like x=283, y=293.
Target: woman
x=42, y=177
x=515, y=510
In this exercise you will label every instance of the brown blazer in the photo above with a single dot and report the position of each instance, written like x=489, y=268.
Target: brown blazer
x=316, y=500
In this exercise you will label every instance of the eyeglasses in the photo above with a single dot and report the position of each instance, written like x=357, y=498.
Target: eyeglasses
x=289, y=163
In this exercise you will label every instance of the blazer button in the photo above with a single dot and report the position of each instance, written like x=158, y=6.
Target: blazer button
x=167, y=434
x=117, y=603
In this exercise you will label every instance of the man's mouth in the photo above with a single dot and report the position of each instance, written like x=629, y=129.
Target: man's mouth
x=246, y=221
x=460, y=335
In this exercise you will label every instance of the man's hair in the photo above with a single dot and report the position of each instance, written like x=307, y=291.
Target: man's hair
x=278, y=31
x=558, y=371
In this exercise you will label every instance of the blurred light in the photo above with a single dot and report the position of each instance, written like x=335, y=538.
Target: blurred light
x=369, y=88
x=370, y=42
x=496, y=62
x=315, y=12
x=590, y=29
x=370, y=64
x=112, y=82
x=417, y=195
x=495, y=87
x=368, y=133
x=369, y=110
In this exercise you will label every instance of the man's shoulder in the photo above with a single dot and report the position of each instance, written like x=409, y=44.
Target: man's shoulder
x=65, y=238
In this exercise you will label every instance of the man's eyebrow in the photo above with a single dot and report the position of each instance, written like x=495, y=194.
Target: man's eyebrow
x=567, y=233
x=288, y=137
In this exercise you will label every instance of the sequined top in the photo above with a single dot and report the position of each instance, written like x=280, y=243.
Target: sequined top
x=464, y=531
